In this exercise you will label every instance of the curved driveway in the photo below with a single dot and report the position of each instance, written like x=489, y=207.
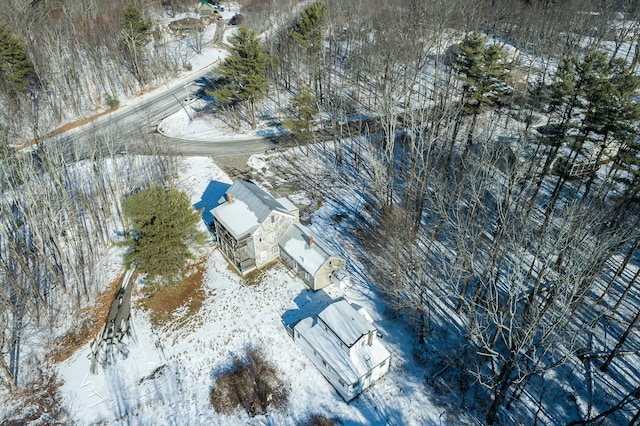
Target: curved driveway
x=217, y=148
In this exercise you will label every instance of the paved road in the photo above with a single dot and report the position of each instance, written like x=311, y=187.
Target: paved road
x=218, y=148
x=143, y=117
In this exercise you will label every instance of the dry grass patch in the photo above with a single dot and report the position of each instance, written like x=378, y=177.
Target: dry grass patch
x=91, y=322
x=252, y=384
x=162, y=302
x=319, y=420
x=254, y=278
x=38, y=402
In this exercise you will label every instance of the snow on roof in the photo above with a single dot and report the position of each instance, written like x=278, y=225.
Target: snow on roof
x=257, y=199
x=345, y=322
x=362, y=311
x=295, y=242
x=237, y=218
x=284, y=201
x=250, y=206
x=350, y=366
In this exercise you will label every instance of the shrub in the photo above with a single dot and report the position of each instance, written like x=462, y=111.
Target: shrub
x=319, y=420
x=112, y=101
x=38, y=402
x=251, y=383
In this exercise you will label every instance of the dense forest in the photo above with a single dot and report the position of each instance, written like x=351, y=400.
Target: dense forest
x=501, y=196
x=498, y=169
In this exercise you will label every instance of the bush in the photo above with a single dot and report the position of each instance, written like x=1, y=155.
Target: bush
x=38, y=402
x=319, y=420
x=112, y=101
x=252, y=384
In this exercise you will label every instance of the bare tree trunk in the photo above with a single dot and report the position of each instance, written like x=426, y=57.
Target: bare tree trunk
x=604, y=367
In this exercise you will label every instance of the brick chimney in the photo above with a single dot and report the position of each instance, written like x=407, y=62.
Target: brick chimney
x=310, y=240
x=229, y=198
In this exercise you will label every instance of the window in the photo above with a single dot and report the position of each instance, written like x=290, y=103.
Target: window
x=274, y=250
x=341, y=382
x=273, y=219
x=263, y=255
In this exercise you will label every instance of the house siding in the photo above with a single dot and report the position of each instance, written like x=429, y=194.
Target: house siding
x=346, y=390
x=238, y=252
x=350, y=370
x=323, y=276
x=266, y=237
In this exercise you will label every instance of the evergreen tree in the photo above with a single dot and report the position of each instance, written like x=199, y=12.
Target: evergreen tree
x=611, y=114
x=243, y=72
x=307, y=28
x=134, y=35
x=482, y=71
x=304, y=106
x=162, y=226
x=306, y=33
x=16, y=70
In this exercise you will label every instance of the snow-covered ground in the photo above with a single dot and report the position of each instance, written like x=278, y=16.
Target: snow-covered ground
x=168, y=374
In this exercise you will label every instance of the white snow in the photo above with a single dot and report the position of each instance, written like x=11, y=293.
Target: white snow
x=345, y=322
x=168, y=374
x=310, y=258
x=237, y=218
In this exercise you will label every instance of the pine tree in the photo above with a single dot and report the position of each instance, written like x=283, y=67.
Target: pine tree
x=304, y=105
x=307, y=28
x=483, y=71
x=162, y=226
x=306, y=33
x=243, y=72
x=611, y=114
x=16, y=70
x=134, y=35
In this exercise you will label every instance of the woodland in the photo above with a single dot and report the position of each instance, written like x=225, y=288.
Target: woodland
x=493, y=146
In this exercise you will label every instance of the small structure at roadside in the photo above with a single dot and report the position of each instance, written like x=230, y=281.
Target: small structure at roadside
x=344, y=346
x=209, y=9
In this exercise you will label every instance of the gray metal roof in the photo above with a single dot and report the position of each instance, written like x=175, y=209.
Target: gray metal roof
x=259, y=201
x=345, y=322
x=295, y=242
x=250, y=207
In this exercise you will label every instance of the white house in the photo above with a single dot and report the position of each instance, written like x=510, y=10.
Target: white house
x=308, y=258
x=344, y=346
x=249, y=222
x=254, y=229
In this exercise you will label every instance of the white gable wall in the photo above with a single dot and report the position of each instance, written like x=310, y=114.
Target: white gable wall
x=349, y=369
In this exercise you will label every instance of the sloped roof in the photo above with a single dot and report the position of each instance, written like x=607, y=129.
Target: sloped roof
x=250, y=206
x=345, y=322
x=284, y=201
x=349, y=365
x=205, y=4
x=295, y=242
